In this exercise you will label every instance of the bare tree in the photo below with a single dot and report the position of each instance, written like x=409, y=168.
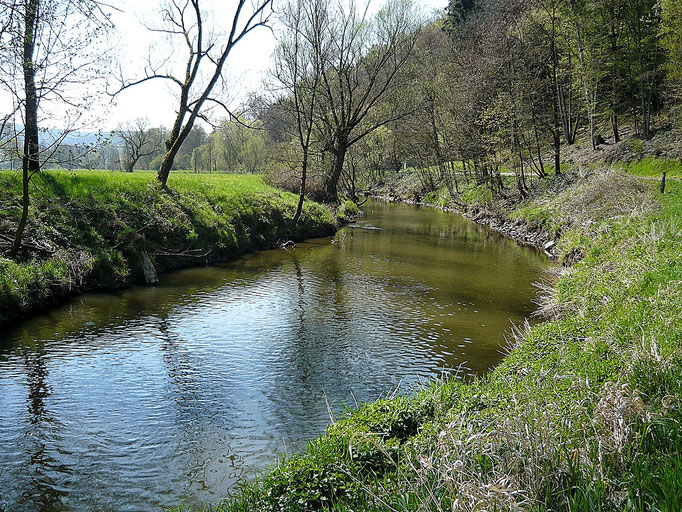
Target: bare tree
x=137, y=141
x=298, y=72
x=362, y=67
x=206, y=54
x=51, y=48
x=30, y=162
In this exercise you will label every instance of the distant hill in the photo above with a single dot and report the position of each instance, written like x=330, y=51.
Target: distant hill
x=81, y=138
x=78, y=138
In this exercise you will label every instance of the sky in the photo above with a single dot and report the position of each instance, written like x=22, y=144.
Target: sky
x=247, y=64
x=246, y=67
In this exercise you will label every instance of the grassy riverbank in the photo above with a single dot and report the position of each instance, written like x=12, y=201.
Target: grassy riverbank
x=90, y=229
x=583, y=414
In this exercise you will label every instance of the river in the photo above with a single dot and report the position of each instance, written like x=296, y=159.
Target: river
x=159, y=396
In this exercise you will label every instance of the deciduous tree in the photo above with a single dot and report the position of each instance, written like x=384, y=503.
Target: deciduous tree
x=363, y=63
x=206, y=52
x=51, y=48
x=137, y=140
x=298, y=72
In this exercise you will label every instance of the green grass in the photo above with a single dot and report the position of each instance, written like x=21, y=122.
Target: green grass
x=347, y=209
x=93, y=226
x=654, y=167
x=583, y=414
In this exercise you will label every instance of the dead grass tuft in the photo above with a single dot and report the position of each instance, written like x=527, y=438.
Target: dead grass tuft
x=616, y=415
x=607, y=195
x=548, y=307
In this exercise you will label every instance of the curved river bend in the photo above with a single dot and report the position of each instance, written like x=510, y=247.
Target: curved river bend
x=157, y=396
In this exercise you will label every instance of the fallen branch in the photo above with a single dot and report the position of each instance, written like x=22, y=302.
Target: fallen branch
x=27, y=245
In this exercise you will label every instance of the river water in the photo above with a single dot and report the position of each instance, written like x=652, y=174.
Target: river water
x=160, y=396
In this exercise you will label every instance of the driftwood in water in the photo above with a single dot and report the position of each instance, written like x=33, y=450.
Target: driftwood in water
x=287, y=244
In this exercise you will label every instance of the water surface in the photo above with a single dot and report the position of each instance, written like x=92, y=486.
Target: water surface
x=156, y=396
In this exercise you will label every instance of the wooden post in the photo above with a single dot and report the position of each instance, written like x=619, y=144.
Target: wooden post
x=663, y=183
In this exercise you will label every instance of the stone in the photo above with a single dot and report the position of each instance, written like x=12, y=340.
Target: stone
x=150, y=276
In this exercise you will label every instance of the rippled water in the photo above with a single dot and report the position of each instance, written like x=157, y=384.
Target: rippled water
x=157, y=396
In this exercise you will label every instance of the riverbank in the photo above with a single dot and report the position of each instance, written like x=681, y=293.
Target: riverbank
x=93, y=230
x=583, y=414
x=645, y=159
x=489, y=214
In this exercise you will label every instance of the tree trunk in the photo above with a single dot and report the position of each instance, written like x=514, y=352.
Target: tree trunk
x=539, y=153
x=131, y=165
x=643, y=102
x=301, y=195
x=30, y=159
x=164, y=171
x=586, y=90
x=615, y=55
x=353, y=196
x=639, y=41
x=333, y=182
x=614, y=126
x=167, y=162
x=564, y=111
x=557, y=152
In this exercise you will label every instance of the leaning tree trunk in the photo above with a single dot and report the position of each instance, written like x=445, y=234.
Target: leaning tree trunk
x=176, y=137
x=167, y=162
x=30, y=159
x=164, y=170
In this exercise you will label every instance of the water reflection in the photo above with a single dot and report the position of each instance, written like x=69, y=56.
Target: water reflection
x=152, y=396
x=42, y=488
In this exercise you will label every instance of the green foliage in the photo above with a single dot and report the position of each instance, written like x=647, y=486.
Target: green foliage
x=96, y=223
x=459, y=10
x=347, y=210
x=23, y=283
x=671, y=41
x=235, y=146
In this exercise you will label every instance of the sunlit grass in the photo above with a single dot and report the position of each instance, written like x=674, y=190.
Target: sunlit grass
x=87, y=229
x=654, y=167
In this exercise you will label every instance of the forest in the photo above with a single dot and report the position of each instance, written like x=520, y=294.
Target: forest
x=485, y=86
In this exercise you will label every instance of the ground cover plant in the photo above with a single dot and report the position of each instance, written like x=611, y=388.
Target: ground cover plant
x=91, y=229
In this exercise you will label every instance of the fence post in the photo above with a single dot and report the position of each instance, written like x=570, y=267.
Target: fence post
x=663, y=183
